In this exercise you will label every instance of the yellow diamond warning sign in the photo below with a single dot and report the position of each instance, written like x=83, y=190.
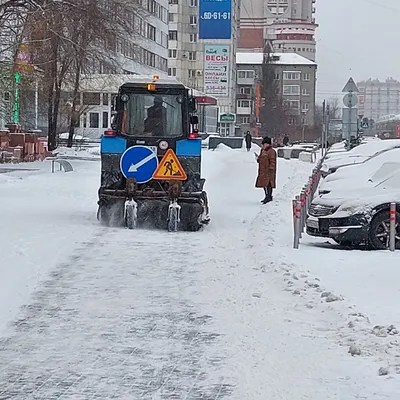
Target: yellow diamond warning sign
x=170, y=169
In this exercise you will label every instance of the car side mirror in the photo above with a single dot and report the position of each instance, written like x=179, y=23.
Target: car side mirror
x=192, y=105
x=114, y=121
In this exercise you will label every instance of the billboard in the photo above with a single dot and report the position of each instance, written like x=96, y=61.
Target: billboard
x=216, y=70
x=215, y=19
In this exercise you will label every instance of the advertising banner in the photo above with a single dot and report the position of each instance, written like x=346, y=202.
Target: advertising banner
x=216, y=70
x=215, y=19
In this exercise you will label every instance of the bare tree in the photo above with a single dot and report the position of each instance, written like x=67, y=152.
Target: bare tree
x=273, y=116
x=68, y=38
x=334, y=107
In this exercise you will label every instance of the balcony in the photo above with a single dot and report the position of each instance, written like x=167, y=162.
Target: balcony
x=243, y=96
x=246, y=81
x=243, y=110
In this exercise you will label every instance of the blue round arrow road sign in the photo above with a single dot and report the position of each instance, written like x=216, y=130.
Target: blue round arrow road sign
x=139, y=162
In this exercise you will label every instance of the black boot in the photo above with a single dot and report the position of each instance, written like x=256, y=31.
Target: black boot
x=268, y=199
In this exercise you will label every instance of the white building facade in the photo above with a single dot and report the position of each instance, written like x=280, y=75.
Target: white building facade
x=379, y=99
x=283, y=25
x=202, y=48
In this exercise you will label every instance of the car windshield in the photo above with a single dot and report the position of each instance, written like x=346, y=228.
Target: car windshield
x=153, y=115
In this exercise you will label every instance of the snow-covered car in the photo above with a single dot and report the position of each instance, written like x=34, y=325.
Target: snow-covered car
x=358, y=174
x=357, y=155
x=356, y=217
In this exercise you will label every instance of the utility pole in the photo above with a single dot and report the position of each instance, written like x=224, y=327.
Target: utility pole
x=328, y=112
x=349, y=116
x=323, y=127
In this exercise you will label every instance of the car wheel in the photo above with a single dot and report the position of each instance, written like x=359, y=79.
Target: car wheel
x=379, y=231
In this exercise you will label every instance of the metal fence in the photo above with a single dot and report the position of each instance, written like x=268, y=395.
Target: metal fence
x=302, y=202
x=79, y=143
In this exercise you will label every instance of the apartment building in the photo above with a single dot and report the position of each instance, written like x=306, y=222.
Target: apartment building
x=296, y=76
x=279, y=25
x=147, y=52
x=379, y=99
x=202, y=42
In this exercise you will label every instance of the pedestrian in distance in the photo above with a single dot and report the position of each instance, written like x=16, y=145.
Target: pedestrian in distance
x=285, y=140
x=266, y=178
x=248, y=140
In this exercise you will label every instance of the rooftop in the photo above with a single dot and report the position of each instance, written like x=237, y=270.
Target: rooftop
x=281, y=59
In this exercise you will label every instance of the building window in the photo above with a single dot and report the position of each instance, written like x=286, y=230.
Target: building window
x=105, y=119
x=171, y=71
x=94, y=120
x=244, y=120
x=306, y=107
x=305, y=92
x=245, y=90
x=173, y=35
x=192, y=73
x=245, y=74
x=151, y=32
x=291, y=121
x=291, y=90
x=151, y=6
x=172, y=53
x=193, y=38
x=243, y=103
x=193, y=20
x=291, y=76
x=164, y=40
x=304, y=121
x=306, y=77
x=173, y=2
x=277, y=77
x=192, y=56
x=193, y=3
x=105, y=99
x=292, y=104
x=171, y=17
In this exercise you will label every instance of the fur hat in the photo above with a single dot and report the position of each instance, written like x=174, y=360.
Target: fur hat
x=267, y=140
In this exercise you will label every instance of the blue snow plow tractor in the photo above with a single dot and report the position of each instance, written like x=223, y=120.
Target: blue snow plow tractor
x=151, y=159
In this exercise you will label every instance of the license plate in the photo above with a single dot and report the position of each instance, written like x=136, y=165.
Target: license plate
x=312, y=223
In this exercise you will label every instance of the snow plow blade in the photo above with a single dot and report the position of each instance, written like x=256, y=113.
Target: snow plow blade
x=156, y=213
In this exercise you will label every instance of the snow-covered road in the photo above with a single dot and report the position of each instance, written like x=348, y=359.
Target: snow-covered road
x=221, y=314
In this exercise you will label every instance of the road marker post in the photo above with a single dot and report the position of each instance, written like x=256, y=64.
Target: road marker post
x=392, y=237
x=297, y=222
x=303, y=214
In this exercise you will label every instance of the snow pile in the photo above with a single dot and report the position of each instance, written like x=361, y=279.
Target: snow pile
x=79, y=153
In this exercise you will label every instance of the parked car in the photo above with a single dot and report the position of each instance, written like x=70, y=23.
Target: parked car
x=361, y=172
x=356, y=217
x=357, y=155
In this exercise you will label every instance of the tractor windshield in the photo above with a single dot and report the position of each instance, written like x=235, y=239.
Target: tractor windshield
x=156, y=115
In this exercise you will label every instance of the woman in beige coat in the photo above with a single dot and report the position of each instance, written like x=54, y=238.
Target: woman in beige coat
x=266, y=178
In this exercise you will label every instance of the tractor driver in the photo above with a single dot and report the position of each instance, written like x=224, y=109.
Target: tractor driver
x=155, y=122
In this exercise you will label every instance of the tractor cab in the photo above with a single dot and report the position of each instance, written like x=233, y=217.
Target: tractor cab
x=151, y=159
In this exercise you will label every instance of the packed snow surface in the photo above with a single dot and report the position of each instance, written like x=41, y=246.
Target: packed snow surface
x=232, y=312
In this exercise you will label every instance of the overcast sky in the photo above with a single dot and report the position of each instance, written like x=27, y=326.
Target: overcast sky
x=358, y=38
